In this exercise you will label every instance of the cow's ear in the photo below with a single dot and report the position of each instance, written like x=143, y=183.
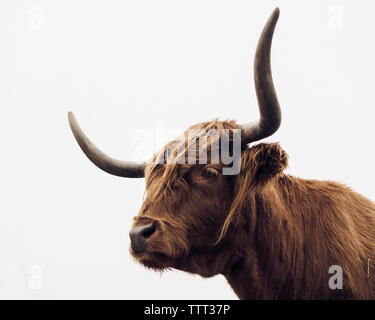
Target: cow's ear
x=267, y=161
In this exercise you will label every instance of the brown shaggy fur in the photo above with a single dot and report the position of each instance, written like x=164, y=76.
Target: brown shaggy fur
x=273, y=236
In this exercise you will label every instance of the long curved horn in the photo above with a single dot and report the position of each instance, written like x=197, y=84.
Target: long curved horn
x=269, y=108
x=100, y=159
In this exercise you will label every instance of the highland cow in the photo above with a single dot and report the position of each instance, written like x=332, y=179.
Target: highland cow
x=272, y=235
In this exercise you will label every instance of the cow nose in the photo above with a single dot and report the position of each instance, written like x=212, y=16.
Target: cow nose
x=139, y=236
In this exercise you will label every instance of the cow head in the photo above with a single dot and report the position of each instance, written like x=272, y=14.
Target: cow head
x=187, y=219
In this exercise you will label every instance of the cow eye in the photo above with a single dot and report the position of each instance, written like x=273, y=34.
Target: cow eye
x=210, y=173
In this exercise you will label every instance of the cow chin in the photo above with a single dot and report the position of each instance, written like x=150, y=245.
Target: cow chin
x=153, y=260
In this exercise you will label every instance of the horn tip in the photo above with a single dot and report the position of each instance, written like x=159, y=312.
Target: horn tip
x=72, y=122
x=276, y=13
x=71, y=117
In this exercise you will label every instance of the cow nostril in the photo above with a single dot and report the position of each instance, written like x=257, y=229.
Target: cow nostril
x=139, y=236
x=148, y=231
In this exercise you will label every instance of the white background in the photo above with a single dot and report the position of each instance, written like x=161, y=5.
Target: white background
x=134, y=73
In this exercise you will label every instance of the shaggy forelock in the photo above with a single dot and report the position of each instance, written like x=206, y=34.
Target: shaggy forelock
x=169, y=166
